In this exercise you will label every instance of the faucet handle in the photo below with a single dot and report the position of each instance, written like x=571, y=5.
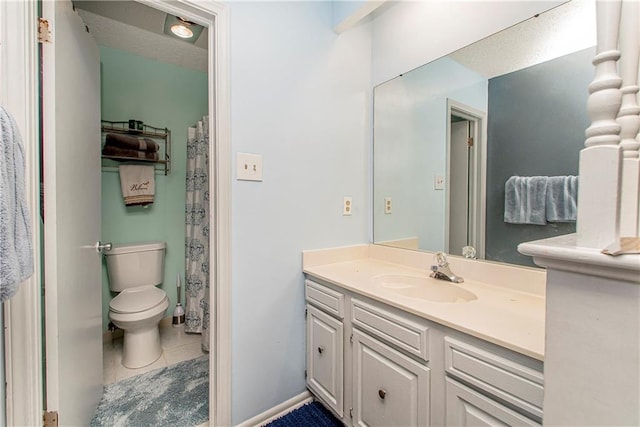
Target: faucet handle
x=469, y=252
x=441, y=259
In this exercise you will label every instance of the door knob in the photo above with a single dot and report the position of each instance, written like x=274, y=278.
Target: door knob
x=102, y=247
x=382, y=393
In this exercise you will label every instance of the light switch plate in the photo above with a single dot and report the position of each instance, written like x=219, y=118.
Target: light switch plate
x=249, y=167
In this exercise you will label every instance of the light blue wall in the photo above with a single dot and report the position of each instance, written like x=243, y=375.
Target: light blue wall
x=344, y=9
x=161, y=95
x=410, y=118
x=300, y=96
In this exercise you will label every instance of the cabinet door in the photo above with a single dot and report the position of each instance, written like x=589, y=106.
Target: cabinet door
x=389, y=389
x=466, y=407
x=325, y=358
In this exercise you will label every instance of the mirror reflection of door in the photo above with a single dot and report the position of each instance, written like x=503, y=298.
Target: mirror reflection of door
x=460, y=194
x=466, y=160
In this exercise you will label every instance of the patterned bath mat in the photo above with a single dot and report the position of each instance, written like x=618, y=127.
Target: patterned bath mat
x=176, y=396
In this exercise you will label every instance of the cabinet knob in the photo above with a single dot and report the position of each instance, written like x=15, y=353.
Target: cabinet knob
x=382, y=393
x=320, y=349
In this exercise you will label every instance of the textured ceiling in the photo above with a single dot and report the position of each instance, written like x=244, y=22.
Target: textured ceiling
x=136, y=28
x=567, y=28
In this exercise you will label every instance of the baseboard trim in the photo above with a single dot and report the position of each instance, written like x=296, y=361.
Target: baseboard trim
x=278, y=410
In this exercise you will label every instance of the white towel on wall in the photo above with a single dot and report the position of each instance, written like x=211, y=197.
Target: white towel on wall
x=525, y=198
x=16, y=247
x=137, y=183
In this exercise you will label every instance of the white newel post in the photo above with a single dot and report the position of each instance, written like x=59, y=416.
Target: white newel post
x=629, y=118
x=601, y=159
x=592, y=320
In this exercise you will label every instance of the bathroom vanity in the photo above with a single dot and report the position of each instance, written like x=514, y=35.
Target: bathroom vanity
x=388, y=345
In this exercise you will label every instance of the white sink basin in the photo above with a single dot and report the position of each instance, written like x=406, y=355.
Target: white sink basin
x=424, y=288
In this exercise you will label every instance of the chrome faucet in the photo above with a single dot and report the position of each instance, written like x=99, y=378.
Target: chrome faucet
x=442, y=271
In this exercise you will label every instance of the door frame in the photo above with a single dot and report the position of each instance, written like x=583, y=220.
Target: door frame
x=22, y=315
x=19, y=93
x=477, y=211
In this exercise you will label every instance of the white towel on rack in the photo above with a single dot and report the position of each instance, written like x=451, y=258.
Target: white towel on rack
x=16, y=250
x=137, y=183
x=525, y=198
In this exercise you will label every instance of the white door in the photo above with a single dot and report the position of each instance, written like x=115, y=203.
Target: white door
x=71, y=131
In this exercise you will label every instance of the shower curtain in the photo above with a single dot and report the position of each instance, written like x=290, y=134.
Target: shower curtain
x=197, y=232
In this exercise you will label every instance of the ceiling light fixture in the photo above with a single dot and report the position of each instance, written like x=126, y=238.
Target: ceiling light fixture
x=182, y=28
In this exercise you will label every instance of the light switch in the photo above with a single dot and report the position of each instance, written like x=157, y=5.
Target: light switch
x=438, y=182
x=249, y=167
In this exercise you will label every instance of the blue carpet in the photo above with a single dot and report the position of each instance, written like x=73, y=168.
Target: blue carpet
x=310, y=415
x=176, y=396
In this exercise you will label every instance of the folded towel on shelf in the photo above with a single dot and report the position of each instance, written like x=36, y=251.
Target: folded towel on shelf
x=16, y=250
x=562, y=198
x=131, y=142
x=524, y=201
x=138, y=184
x=109, y=150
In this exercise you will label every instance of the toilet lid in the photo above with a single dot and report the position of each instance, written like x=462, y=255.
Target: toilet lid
x=137, y=299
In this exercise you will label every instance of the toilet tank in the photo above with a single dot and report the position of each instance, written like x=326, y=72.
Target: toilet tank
x=136, y=264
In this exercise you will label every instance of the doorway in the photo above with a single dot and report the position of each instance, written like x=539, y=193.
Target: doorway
x=24, y=400
x=465, y=184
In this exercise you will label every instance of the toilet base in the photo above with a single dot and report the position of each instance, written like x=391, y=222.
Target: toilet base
x=141, y=335
x=141, y=348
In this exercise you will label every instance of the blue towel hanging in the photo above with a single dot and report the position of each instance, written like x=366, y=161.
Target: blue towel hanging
x=562, y=198
x=16, y=250
x=524, y=201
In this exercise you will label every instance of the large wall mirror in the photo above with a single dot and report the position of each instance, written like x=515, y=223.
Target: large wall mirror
x=449, y=134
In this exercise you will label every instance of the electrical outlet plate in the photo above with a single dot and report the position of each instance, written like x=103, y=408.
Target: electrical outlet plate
x=438, y=182
x=249, y=167
x=347, y=206
x=388, y=205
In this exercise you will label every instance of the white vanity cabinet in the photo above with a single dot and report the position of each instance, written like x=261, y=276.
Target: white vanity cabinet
x=377, y=365
x=466, y=407
x=389, y=389
x=384, y=353
x=325, y=341
x=486, y=385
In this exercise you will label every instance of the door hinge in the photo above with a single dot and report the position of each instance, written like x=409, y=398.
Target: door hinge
x=351, y=338
x=351, y=413
x=305, y=313
x=305, y=373
x=44, y=31
x=50, y=419
x=470, y=142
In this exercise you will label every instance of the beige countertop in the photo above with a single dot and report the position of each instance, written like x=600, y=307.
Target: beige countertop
x=504, y=315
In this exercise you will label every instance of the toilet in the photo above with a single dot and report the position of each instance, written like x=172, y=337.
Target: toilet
x=134, y=272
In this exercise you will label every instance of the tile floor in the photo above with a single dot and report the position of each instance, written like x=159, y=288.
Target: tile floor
x=176, y=344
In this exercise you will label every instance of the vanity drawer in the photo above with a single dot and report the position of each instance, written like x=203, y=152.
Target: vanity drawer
x=400, y=331
x=503, y=378
x=325, y=298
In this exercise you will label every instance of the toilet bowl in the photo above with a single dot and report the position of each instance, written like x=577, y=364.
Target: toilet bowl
x=138, y=311
x=134, y=271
